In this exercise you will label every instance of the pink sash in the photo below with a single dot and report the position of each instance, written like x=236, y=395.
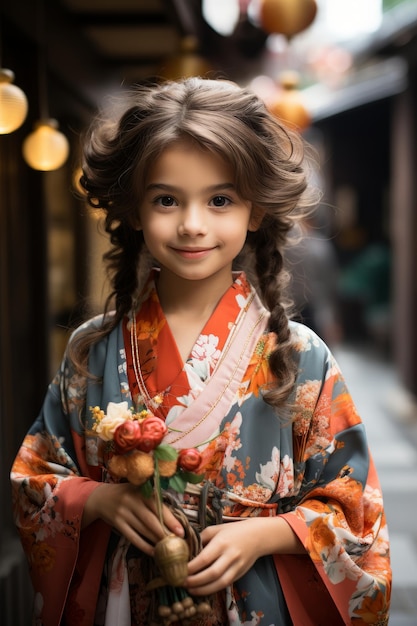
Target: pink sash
x=201, y=420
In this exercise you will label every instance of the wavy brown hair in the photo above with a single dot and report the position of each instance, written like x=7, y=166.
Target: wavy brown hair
x=270, y=168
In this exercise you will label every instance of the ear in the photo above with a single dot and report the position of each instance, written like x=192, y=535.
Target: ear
x=257, y=215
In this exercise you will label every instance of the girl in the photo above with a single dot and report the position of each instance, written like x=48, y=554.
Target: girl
x=197, y=177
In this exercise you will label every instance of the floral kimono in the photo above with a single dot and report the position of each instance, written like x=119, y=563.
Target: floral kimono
x=309, y=464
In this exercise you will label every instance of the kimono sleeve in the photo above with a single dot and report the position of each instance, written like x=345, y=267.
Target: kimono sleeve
x=51, y=482
x=338, y=514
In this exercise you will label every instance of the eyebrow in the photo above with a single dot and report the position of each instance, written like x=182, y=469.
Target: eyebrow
x=173, y=188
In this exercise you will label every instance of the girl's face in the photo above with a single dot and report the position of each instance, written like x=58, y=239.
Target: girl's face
x=193, y=220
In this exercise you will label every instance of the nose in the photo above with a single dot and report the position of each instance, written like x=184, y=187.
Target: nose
x=193, y=221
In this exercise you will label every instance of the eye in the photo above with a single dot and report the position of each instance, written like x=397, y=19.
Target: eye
x=166, y=201
x=220, y=201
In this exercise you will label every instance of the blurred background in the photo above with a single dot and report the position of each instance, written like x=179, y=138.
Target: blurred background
x=344, y=72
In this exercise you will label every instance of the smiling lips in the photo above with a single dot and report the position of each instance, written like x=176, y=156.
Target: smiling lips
x=192, y=253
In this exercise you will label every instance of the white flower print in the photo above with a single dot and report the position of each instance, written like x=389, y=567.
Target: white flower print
x=241, y=300
x=374, y=495
x=205, y=355
x=286, y=477
x=268, y=475
x=334, y=565
x=50, y=523
x=201, y=368
x=124, y=389
x=304, y=339
x=333, y=369
x=233, y=442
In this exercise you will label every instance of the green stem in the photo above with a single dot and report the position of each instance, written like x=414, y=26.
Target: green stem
x=158, y=495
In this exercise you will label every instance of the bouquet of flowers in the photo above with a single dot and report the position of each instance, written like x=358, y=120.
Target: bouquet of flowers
x=137, y=454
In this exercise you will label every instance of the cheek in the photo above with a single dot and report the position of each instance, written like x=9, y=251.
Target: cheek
x=237, y=228
x=234, y=236
x=156, y=230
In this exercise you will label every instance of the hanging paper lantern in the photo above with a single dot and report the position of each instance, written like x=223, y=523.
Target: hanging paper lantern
x=46, y=148
x=13, y=103
x=288, y=107
x=286, y=17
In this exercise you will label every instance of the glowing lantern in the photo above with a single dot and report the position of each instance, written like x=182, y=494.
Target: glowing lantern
x=289, y=107
x=46, y=148
x=287, y=17
x=13, y=103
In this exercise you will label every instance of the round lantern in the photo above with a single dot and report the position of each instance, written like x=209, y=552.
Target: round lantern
x=288, y=107
x=46, y=148
x=286, y=17
x=13, y=103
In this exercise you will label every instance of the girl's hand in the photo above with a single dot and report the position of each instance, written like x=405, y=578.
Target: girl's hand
x=135, y=517
x=232, y=548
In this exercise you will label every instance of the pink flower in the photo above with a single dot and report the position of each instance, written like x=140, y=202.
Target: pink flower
x=127, y=436
x=189, y=459
x=153, y=430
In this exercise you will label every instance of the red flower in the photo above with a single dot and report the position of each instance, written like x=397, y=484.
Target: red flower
x=153, y=431
x=189, y=459
x=127, y=436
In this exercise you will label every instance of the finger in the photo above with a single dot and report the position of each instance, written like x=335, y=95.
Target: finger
x=213, y=579
x=147, y=522
x=171, y=522
x=208, y=533
x=211, y=550
x=146, y=525
x=137, y=539
x=134, y=515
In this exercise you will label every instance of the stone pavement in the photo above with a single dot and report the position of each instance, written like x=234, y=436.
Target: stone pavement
x=390, y=417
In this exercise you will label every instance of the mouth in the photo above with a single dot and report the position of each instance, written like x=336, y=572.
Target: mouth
x=192, y=253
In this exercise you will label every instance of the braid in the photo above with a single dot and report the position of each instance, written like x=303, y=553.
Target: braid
x=122, y=259
x=272, y=281
x=122, y=263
